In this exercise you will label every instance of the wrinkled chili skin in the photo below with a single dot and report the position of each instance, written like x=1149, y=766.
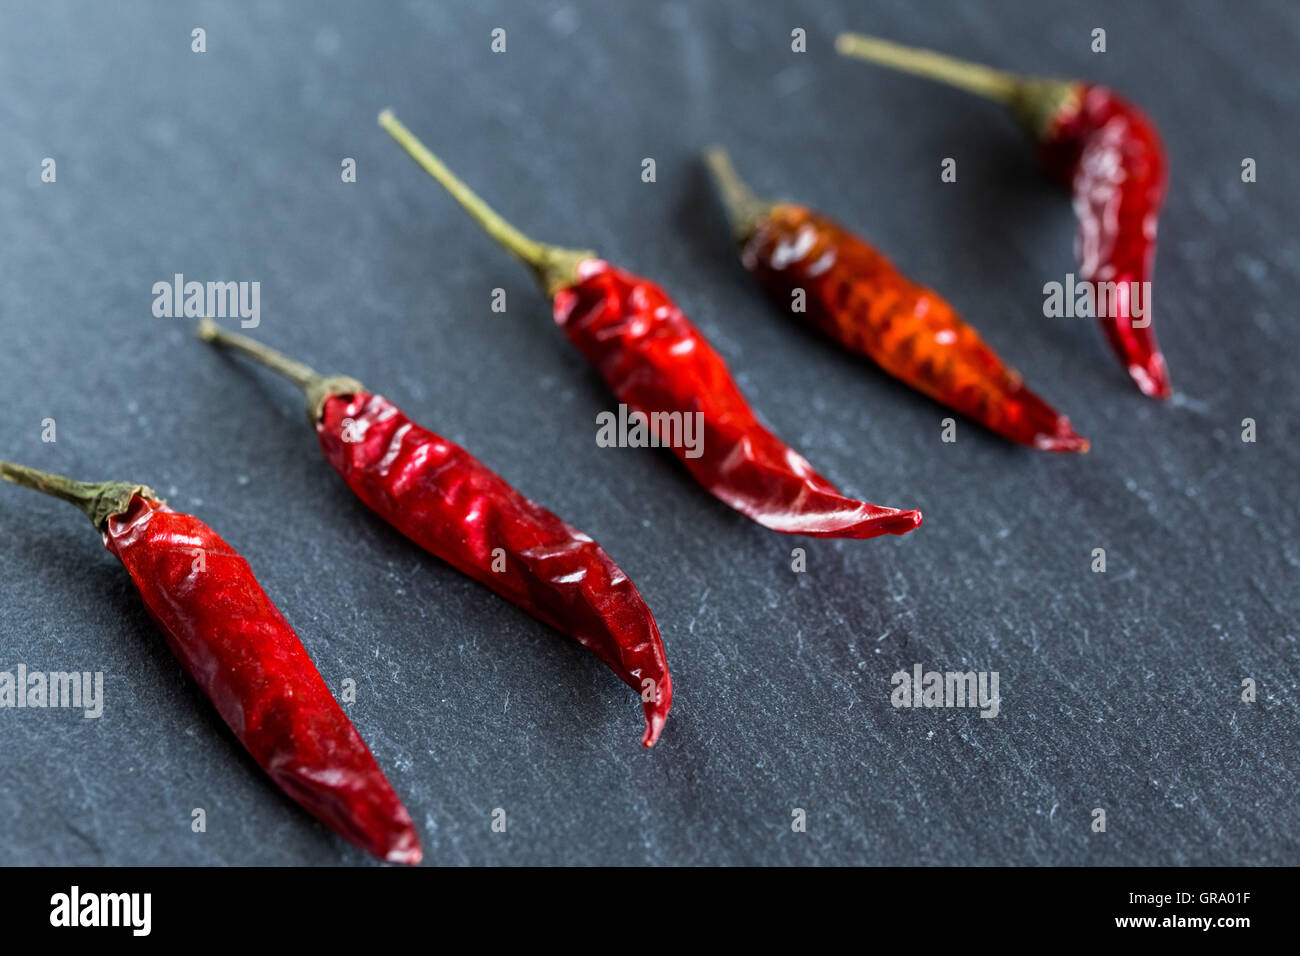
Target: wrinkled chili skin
x=1108, y=154
x=452, y=505
x=854, y=295
x=249, y=662
x=655, y=360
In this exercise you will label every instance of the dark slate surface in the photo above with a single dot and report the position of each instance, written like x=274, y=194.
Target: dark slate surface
x=1119, y=690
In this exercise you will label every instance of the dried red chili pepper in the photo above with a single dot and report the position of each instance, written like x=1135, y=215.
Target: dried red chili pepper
x=452, y=505
x=655, y=361
x=245, y=657
x=1101, y=148
x=855, y=295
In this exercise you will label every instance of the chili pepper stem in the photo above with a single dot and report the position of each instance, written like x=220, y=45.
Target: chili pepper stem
x=316, y=386
x=99, y=501
x=1036, y=101
x=745, y=210
x=553, y=266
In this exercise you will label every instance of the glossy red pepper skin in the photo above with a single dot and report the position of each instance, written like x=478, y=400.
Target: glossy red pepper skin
x=1105, y=152
x=246, y=658
x=452, y=505
x=854, y=295
x=1109, y=156
x=655, y=360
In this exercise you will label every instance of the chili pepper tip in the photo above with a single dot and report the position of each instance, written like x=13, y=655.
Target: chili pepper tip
x=652, y=730
x=1063, y=443
x=1055, y=432
x=861, y=521
x=406, y=849
x=1152, y=378
x=657, y=713
x=1040, y=426
x=904, y=521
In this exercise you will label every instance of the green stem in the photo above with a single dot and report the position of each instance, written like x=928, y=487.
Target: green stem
x=745, y=210
x=1037, y=101
x=554, y=266
x=99, y=501
x=316, y=386
x=972, y=77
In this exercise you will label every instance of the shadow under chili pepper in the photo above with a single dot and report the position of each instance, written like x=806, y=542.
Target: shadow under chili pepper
x=1013, y=232
x=698, y=221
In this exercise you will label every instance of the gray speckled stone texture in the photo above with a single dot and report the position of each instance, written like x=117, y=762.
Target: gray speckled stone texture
x=1119, y=690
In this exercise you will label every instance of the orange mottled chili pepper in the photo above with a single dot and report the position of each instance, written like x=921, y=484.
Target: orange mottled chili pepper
x=854, y=294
